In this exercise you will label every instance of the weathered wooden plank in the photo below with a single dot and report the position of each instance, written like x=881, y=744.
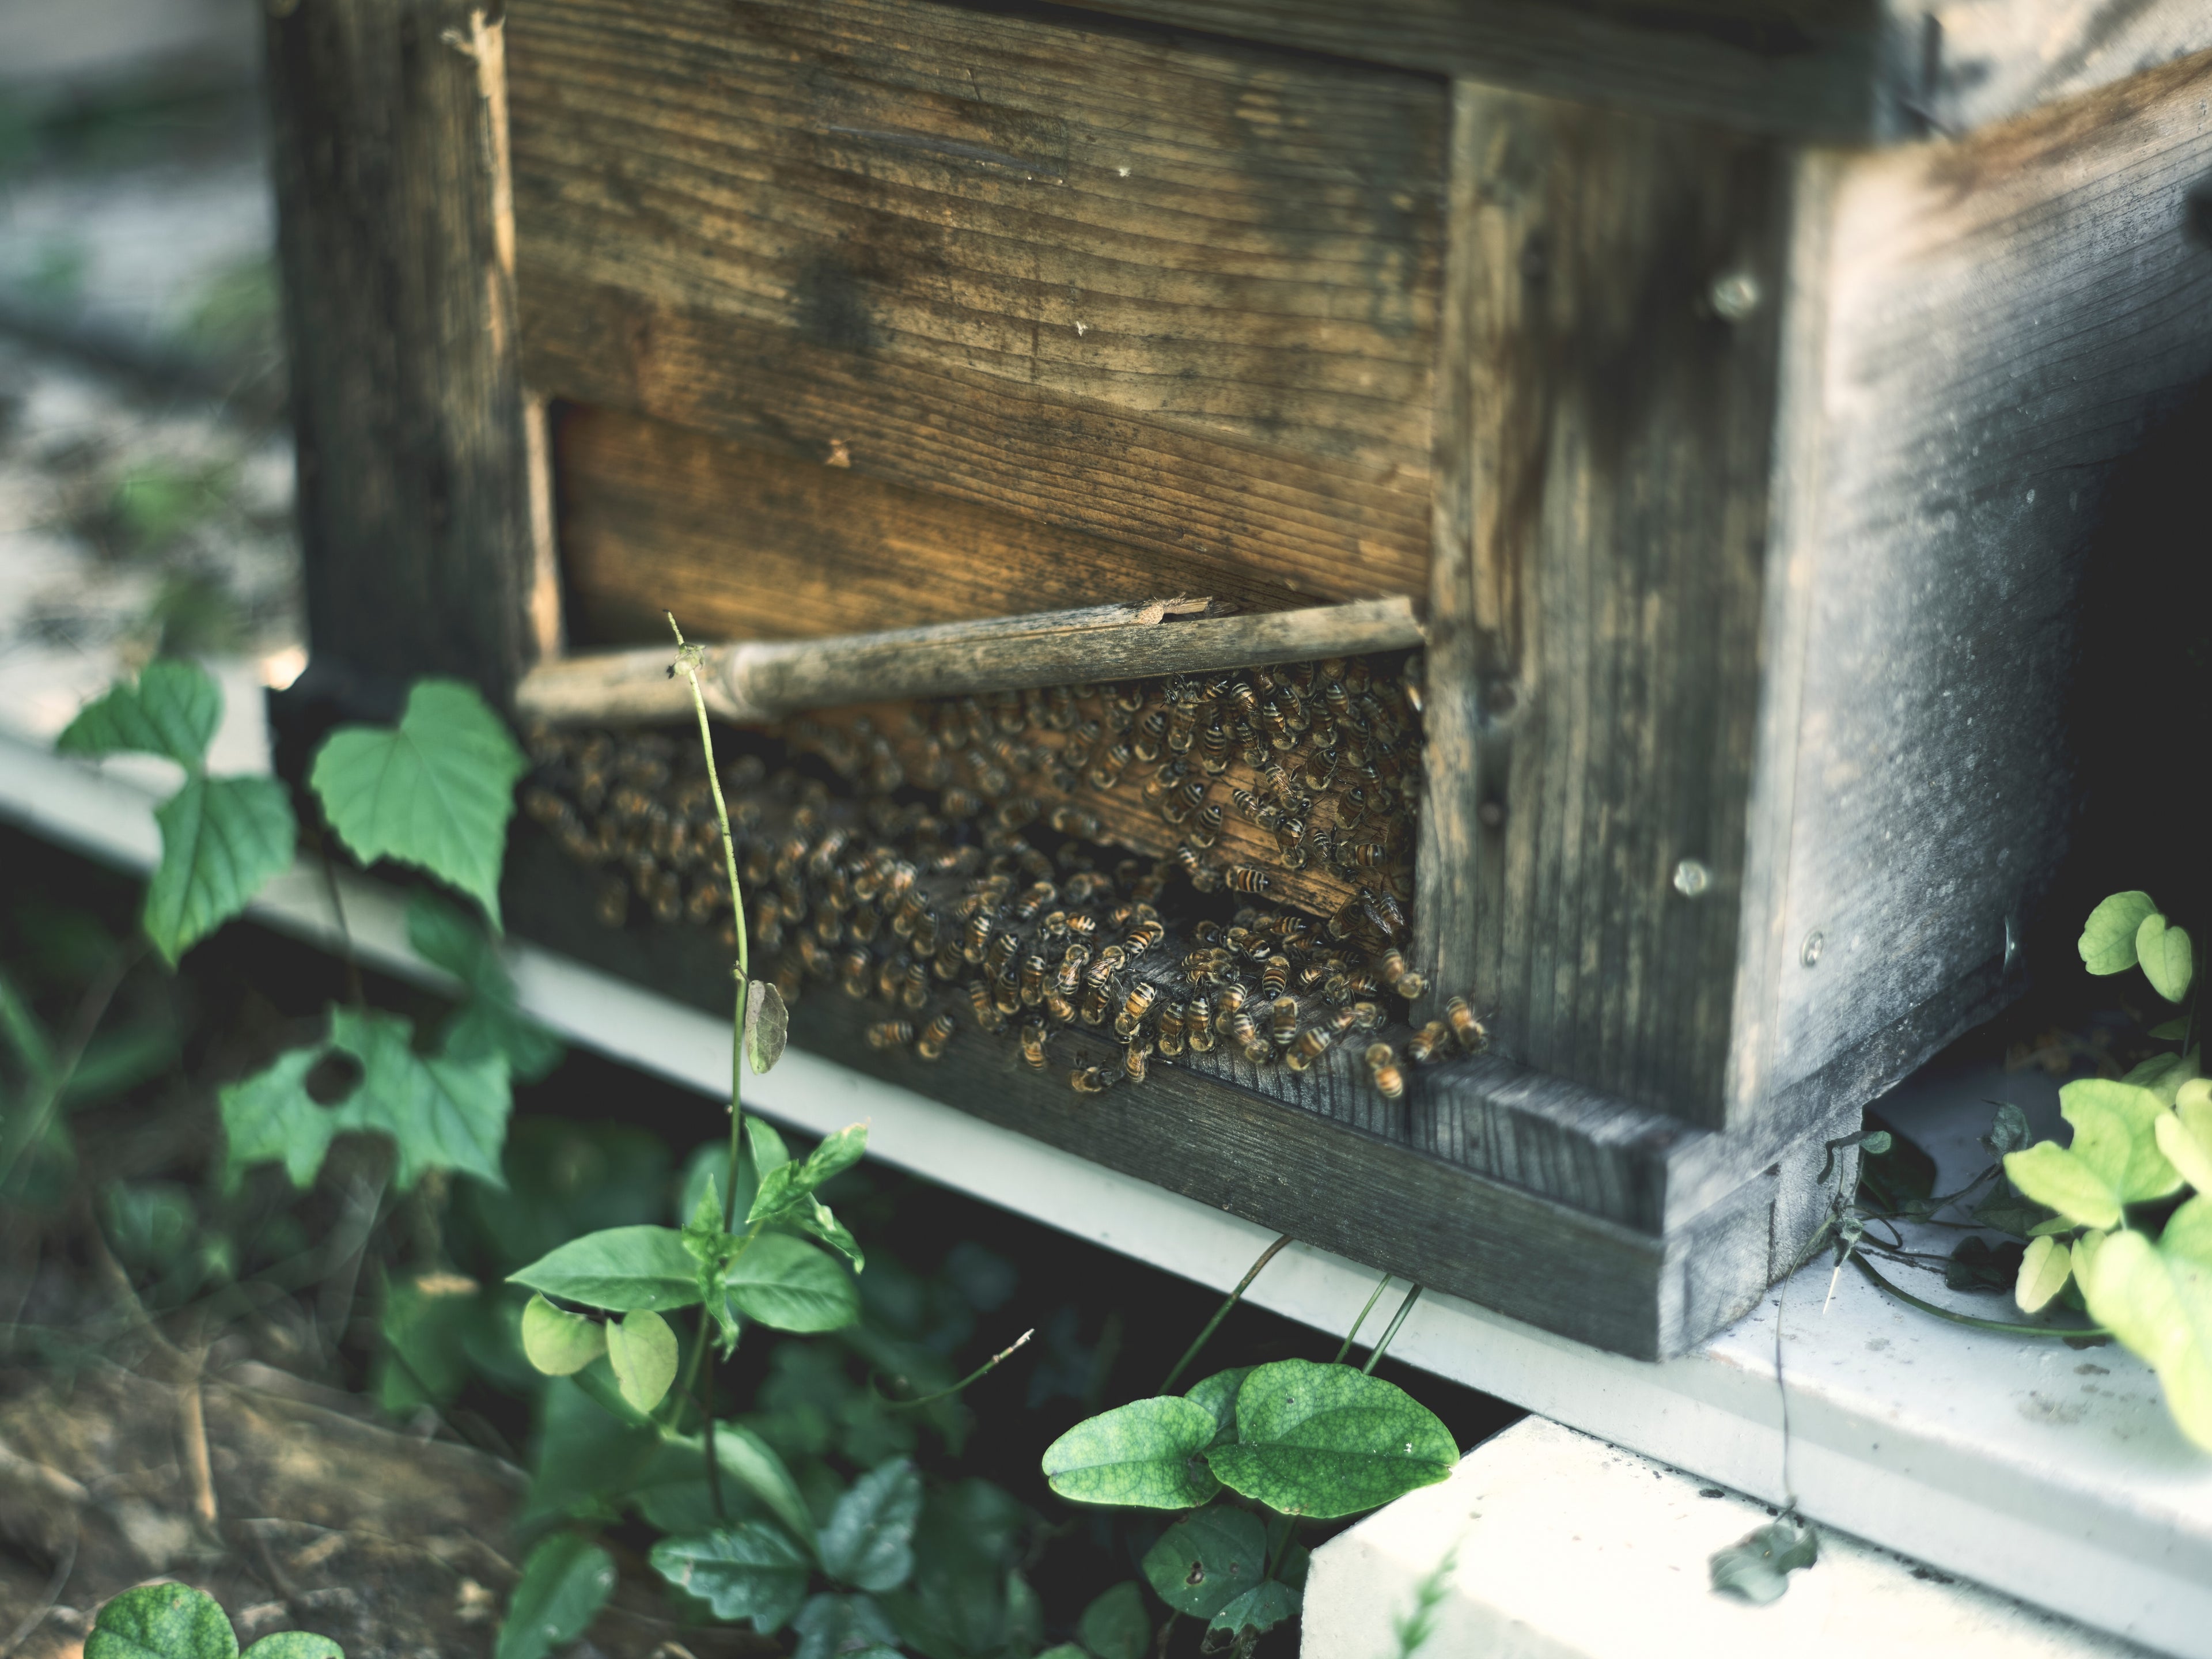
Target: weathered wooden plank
x=1361, y=1195
x=2002, y=321
x=396, y=247
x=744, y=543
x=1174, y=294
x=1598, y=591
x=1827, y=72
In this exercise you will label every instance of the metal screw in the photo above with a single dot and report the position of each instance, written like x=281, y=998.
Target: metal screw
x=1734, y=296
x=1813, y=943
x=1491, y=814
x=1691, y=877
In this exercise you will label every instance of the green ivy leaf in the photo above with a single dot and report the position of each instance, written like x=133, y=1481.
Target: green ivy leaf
x=1145, y=1454
x=1260, y=1608
x=641, y=1351
x=1205, y=1561
x=787, y=1284
x=624, y=1269
x=844, y=1627
x=172, y=711
x=1116, y=1626
x=565, y=1583
x=161, y=1621
x=488, y=1021
x=2159, y=1303
x=2164, y=1075
x=271, y=1115
x=560, y=1343
x=2113, y=1162
x=2167, y=963
x=767, y=1025
x=2108, y=939
x=1218, y=1394
x=2044, y=1271
x=868, y=1540
x=2185, y=1133
x=222, y=838
x=295, y=1644
x=1757, y=1569
x=752, y=1570
x=1328, y=1441
x=435, y=792
x=441, y=1114
x=2189, y=1231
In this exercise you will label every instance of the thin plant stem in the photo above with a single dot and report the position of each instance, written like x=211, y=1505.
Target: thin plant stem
x=1222, y=1312
x=1373, y=1295
x=1998, y=1325
x=90, y=1011
x=1390, y=1335
x=975, y=1376
x=688, y=658
x=1282, y=1550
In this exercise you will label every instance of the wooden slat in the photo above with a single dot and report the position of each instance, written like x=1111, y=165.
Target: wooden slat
x=2003, y=322
x=743, y=543
x=1176, y=295
x=396, y=252
x=1598, y=587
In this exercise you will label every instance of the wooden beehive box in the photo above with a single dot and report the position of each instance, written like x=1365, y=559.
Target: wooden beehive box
x=1730, y=385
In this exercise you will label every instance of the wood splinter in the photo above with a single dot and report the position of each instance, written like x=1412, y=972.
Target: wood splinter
x=758, y=682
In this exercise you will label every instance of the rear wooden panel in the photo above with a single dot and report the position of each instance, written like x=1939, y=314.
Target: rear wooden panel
x=1179, y=296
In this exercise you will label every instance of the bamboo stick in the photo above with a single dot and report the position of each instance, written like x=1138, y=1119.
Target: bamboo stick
x=761, y=681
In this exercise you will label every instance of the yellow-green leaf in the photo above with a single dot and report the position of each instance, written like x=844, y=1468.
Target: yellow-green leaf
x=2052, y=1176
x=2044, y=1272
x=2167, y=961
x=2108, y=939
x=2164, y=1075
x=2158, y=1304
x=2185, y=1135
x=2114, y=1161
x=558, y=1342
x=641, y=1349
x=2189, y=1231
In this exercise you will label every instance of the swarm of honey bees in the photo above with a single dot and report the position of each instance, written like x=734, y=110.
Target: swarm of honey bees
x=1193, y=866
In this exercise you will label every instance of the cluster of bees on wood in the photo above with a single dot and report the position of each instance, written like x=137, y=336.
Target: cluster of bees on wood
x=929, y=874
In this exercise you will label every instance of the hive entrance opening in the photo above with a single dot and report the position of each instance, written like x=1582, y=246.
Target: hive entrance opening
x=1212, y=871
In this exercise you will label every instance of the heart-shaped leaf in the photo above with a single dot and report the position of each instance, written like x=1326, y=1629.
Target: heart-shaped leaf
x=161, y=1621
x=621, y=1268
x=787, y=1284
x=2185, y=1133
x=295, y=1644
x=1205, y=1561
x=2114, y=1161
x=1757, y=1569
x=565, y=1581
x=2164, y=1075
x=1328, y=1441
x=2189, y=1231
x=560, y=1343
x=2167, y=961
x=222, y=838
x=752, y=1570
x=767, y=1024
x=435, y=792
x=1116, y=1626
x=1260, y=1608
x=1145, y=1454
x=2108, y=939
x=2044, y=1271
x=868, y=1540
x=172, y=711
x=641, y=1350
x=1218, y=1394
x=271, y=1115
x=441, y=1114
x=2159, y=1303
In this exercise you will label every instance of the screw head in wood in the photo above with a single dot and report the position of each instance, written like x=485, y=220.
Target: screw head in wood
x=1691, y=877
x=1814, y=943
x=1733, y=296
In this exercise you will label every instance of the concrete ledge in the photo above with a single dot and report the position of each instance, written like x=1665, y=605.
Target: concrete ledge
x=1548, y=1543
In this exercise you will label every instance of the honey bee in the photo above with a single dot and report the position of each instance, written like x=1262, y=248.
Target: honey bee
x=1068, y=979
x=1283, y=1021
x=1033, y=972
x=1427, y=1045
x=1034, y=900
x=1382, y=1066
x=1228, y=1003
x=1182, y=727
x=1214, y=749
x=1061, y=1008
x=853, y=973
x=1403, y=980
x=914, y=994
x=1032, y=1042
x=1247, y=878
x=1198, y=1025
x=1205, y=829
x=1275, y=974
x=1135, y=1008
x=891, y=1034
x=1143, y=936
x=1467, y=1030
x=988, y=1017
x=1108, y=771
x=1150, y=736
x=934, y=1035
x=1092, y=1079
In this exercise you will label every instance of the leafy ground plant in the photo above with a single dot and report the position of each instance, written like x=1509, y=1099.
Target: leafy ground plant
x=175, y=1621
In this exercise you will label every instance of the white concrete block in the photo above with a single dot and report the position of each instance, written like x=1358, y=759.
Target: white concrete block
x=1562, y=1546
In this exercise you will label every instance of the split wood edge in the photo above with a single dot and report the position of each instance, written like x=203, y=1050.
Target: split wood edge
x=758, y=682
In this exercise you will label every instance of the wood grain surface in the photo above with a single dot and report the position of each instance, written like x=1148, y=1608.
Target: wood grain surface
x=1178, y=295
x=396, y=252
x=1602, y=482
